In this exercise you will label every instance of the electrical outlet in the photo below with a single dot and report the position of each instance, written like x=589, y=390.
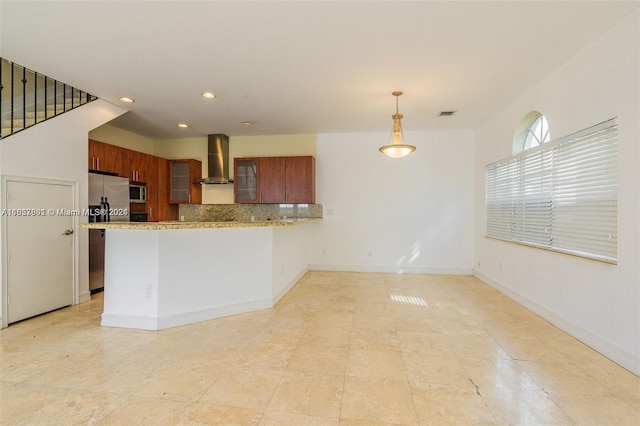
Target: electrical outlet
x=369, y=253
x=148, y=292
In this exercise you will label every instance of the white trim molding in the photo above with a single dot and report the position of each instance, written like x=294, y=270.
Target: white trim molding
x=613, y=352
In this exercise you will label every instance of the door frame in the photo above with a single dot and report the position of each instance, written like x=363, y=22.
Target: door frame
x=4, y=308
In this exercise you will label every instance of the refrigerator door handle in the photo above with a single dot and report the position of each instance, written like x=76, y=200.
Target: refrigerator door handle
x=107, y=208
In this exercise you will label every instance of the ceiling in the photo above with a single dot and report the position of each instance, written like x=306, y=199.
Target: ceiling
x=300, y=67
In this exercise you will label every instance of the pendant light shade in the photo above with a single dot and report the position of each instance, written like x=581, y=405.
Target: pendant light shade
x=398, y=148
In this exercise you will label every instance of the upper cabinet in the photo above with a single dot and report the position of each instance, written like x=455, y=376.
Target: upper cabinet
x=272, y=180
x=301, y=180
x=184, y=187
x=245, y=182
x=104, y=157
x=139, y=167
x=275, y=180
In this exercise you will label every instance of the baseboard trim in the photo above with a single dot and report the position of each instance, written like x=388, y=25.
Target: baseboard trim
x=175, y=320
x=84, y=297
x=129, y=321
x=392, y=269
x=280, y=294
x=616, y=354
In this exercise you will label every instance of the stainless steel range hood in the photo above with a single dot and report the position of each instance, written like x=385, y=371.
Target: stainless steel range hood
x=218, y=160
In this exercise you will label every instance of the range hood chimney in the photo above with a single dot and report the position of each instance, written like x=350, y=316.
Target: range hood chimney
x=218, y=160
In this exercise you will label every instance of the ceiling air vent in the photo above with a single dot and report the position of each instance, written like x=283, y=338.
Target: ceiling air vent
x=446, y=113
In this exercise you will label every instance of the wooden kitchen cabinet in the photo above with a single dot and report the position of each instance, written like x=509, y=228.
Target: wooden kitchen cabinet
x=104, y=157
x=141, y=168
x=274, y=180
x=183, y=185
x=158, y=207
x=138, y=166
x=300, y=180
x=245, y=180
x=153, y=187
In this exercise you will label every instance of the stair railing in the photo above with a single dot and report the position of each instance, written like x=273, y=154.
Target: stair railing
x=28, y=98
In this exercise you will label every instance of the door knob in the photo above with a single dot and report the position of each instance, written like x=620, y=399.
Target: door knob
x=68, y=232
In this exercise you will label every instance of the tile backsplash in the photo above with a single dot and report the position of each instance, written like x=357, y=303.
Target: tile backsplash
x=247, y=212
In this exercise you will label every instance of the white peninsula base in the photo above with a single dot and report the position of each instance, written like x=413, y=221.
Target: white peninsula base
x=161, y=278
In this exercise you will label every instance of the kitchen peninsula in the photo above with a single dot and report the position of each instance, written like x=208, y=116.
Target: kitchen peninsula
x=166, y=274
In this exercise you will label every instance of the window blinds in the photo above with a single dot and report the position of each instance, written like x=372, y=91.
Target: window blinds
x=561, y=195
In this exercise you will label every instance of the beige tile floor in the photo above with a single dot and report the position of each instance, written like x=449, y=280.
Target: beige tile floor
x=339, y=349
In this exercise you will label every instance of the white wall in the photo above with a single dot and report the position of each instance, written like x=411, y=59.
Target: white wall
x=596, y=302
x=57, y=149
x=413, y=214
x=290, y=256
x=123, y=138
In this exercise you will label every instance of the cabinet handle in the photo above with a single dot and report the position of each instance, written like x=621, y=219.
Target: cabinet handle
x=98, y=163
x=150, y=212
x=189, y=198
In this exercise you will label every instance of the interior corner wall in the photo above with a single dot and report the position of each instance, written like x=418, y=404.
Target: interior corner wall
x=123, y=138
x=408, y=215
x=57, y=149
x=595, y=302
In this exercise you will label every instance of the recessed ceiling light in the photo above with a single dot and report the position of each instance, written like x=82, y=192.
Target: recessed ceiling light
x=183, y=125
x=247, y=123
x=208, y=95
x=127, y=100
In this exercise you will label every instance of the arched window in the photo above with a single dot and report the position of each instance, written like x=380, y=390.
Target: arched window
x=532, y=131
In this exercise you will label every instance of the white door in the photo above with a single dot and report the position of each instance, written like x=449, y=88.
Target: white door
x=40, y=246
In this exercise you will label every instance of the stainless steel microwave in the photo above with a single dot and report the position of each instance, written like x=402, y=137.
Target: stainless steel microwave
x=137, y=193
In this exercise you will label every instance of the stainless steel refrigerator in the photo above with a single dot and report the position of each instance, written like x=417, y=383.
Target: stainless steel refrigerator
x=108, y=201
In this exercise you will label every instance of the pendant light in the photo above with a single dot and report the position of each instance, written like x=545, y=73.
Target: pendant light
x=399, y=148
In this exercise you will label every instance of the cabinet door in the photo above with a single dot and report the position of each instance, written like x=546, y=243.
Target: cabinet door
x=272, y=180
x=183, y=187
x=245, y=181
x=102, y=157
x=166, y=211
x=92, y=154
x=137, y=166
x=152, y=188
x=300, y=180
x=195, y=174
x=122, y=167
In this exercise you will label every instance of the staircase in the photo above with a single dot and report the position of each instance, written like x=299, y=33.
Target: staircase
x=28, y=98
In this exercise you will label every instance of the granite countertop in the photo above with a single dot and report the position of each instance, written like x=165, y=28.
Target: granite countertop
x=154, y=226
